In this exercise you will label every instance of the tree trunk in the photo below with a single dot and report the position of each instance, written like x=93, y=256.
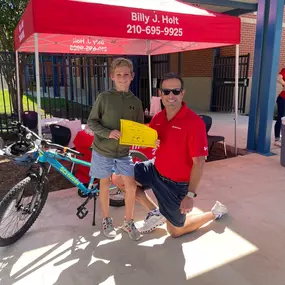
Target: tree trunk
x=8, y=70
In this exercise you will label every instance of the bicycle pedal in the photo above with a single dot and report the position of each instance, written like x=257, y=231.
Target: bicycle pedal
x=82, y=212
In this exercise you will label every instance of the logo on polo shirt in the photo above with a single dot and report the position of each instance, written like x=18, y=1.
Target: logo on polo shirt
x=132, y=107
x=178, y=128
x=205, y=148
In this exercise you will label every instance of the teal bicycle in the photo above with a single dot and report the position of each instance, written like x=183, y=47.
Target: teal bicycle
x=27, y=198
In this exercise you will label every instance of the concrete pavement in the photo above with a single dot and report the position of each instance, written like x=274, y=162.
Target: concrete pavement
x=244, y=248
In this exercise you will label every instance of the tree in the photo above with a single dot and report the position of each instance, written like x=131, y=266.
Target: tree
x=10, y=14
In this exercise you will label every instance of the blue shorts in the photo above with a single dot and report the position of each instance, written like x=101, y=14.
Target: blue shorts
x=169, y=194
x=102, y=167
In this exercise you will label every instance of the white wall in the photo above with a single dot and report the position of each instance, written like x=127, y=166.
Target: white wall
x=198, y=93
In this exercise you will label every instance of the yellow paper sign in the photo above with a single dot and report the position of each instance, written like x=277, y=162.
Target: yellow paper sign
x=137, y=134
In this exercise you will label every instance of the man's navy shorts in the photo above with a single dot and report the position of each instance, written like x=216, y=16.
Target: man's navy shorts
x=169, y=194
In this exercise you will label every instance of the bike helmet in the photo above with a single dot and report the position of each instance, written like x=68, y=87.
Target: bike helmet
x=21, y=153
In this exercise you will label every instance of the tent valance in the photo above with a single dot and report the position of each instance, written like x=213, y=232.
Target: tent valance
x=122, y=27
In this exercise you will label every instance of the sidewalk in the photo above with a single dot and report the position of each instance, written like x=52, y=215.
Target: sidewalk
x=223, y=124
x=244, y=248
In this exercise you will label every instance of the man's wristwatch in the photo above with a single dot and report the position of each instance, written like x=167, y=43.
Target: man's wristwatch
x=191, y=194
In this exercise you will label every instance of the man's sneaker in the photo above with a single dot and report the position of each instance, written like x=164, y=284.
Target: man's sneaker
x=108, y=228
x=219, y=210
x=130, y=228
x=153, y=220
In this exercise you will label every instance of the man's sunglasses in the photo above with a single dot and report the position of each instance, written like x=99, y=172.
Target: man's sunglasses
x=175, y=91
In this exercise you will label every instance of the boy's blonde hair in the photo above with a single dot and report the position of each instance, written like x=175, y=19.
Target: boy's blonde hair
x=121, y=61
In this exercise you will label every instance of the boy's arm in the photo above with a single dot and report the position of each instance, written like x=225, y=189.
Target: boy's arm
x=95, y=117
x=140, y=117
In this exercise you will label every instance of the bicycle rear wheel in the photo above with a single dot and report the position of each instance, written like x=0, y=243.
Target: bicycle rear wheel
x=139, y=156
x=20, y=208
x=117, y=198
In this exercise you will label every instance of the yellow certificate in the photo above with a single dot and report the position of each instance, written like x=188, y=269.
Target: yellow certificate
x=137, y=134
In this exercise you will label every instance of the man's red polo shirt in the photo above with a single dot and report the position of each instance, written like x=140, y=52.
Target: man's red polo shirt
x=282, y=72
x=181, y=139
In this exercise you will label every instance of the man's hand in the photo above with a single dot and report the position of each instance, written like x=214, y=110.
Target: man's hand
x=186, y=205
x=115, y=134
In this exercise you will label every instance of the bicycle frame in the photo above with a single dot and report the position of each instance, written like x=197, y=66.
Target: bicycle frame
x=53, y=157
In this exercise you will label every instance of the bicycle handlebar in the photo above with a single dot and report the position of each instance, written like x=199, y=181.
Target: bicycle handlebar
x=21, y=127
x=47, y=143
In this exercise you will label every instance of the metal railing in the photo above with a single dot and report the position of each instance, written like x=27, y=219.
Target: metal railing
x=70, y=84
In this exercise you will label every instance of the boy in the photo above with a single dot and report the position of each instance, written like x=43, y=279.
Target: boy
x=104, y=121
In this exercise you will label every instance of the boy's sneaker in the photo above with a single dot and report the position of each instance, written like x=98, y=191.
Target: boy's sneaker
x=219, y=210
x=130, y=228
x=153, y=220
x=108, y=228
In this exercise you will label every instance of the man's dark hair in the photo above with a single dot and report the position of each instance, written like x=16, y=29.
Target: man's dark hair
x=172, y=75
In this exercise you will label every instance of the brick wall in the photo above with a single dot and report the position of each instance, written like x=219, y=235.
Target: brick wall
x=248, y=32
x=282, y=51
x=246, y=44
x=199, y=63
x=174, y=62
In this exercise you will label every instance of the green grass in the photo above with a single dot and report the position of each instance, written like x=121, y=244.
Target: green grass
x=6, y=106
x=51, y=104
x=48, y=105
x=30, y=103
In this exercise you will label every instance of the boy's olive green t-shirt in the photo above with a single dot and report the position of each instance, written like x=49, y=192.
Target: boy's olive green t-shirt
x=108, y=109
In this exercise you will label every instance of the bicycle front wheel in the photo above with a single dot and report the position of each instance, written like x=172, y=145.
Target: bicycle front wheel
x=20, y=208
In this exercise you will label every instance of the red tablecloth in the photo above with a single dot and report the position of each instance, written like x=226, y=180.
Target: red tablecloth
x=83, y=142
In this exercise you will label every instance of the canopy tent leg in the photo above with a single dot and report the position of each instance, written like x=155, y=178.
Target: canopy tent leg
x=149, y=76
x=236, y=94
x=38, y=83
x=149, y=69
x=18, y=86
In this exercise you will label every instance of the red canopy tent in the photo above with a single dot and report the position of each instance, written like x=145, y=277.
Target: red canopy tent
x=120, y=27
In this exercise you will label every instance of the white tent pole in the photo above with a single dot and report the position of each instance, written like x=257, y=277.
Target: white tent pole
x=149, y=74
x=149, y=71
x=236, y=94
x=18, y=86
x=38, y=83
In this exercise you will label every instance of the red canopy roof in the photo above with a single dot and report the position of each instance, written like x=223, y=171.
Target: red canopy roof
x=122, y=27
